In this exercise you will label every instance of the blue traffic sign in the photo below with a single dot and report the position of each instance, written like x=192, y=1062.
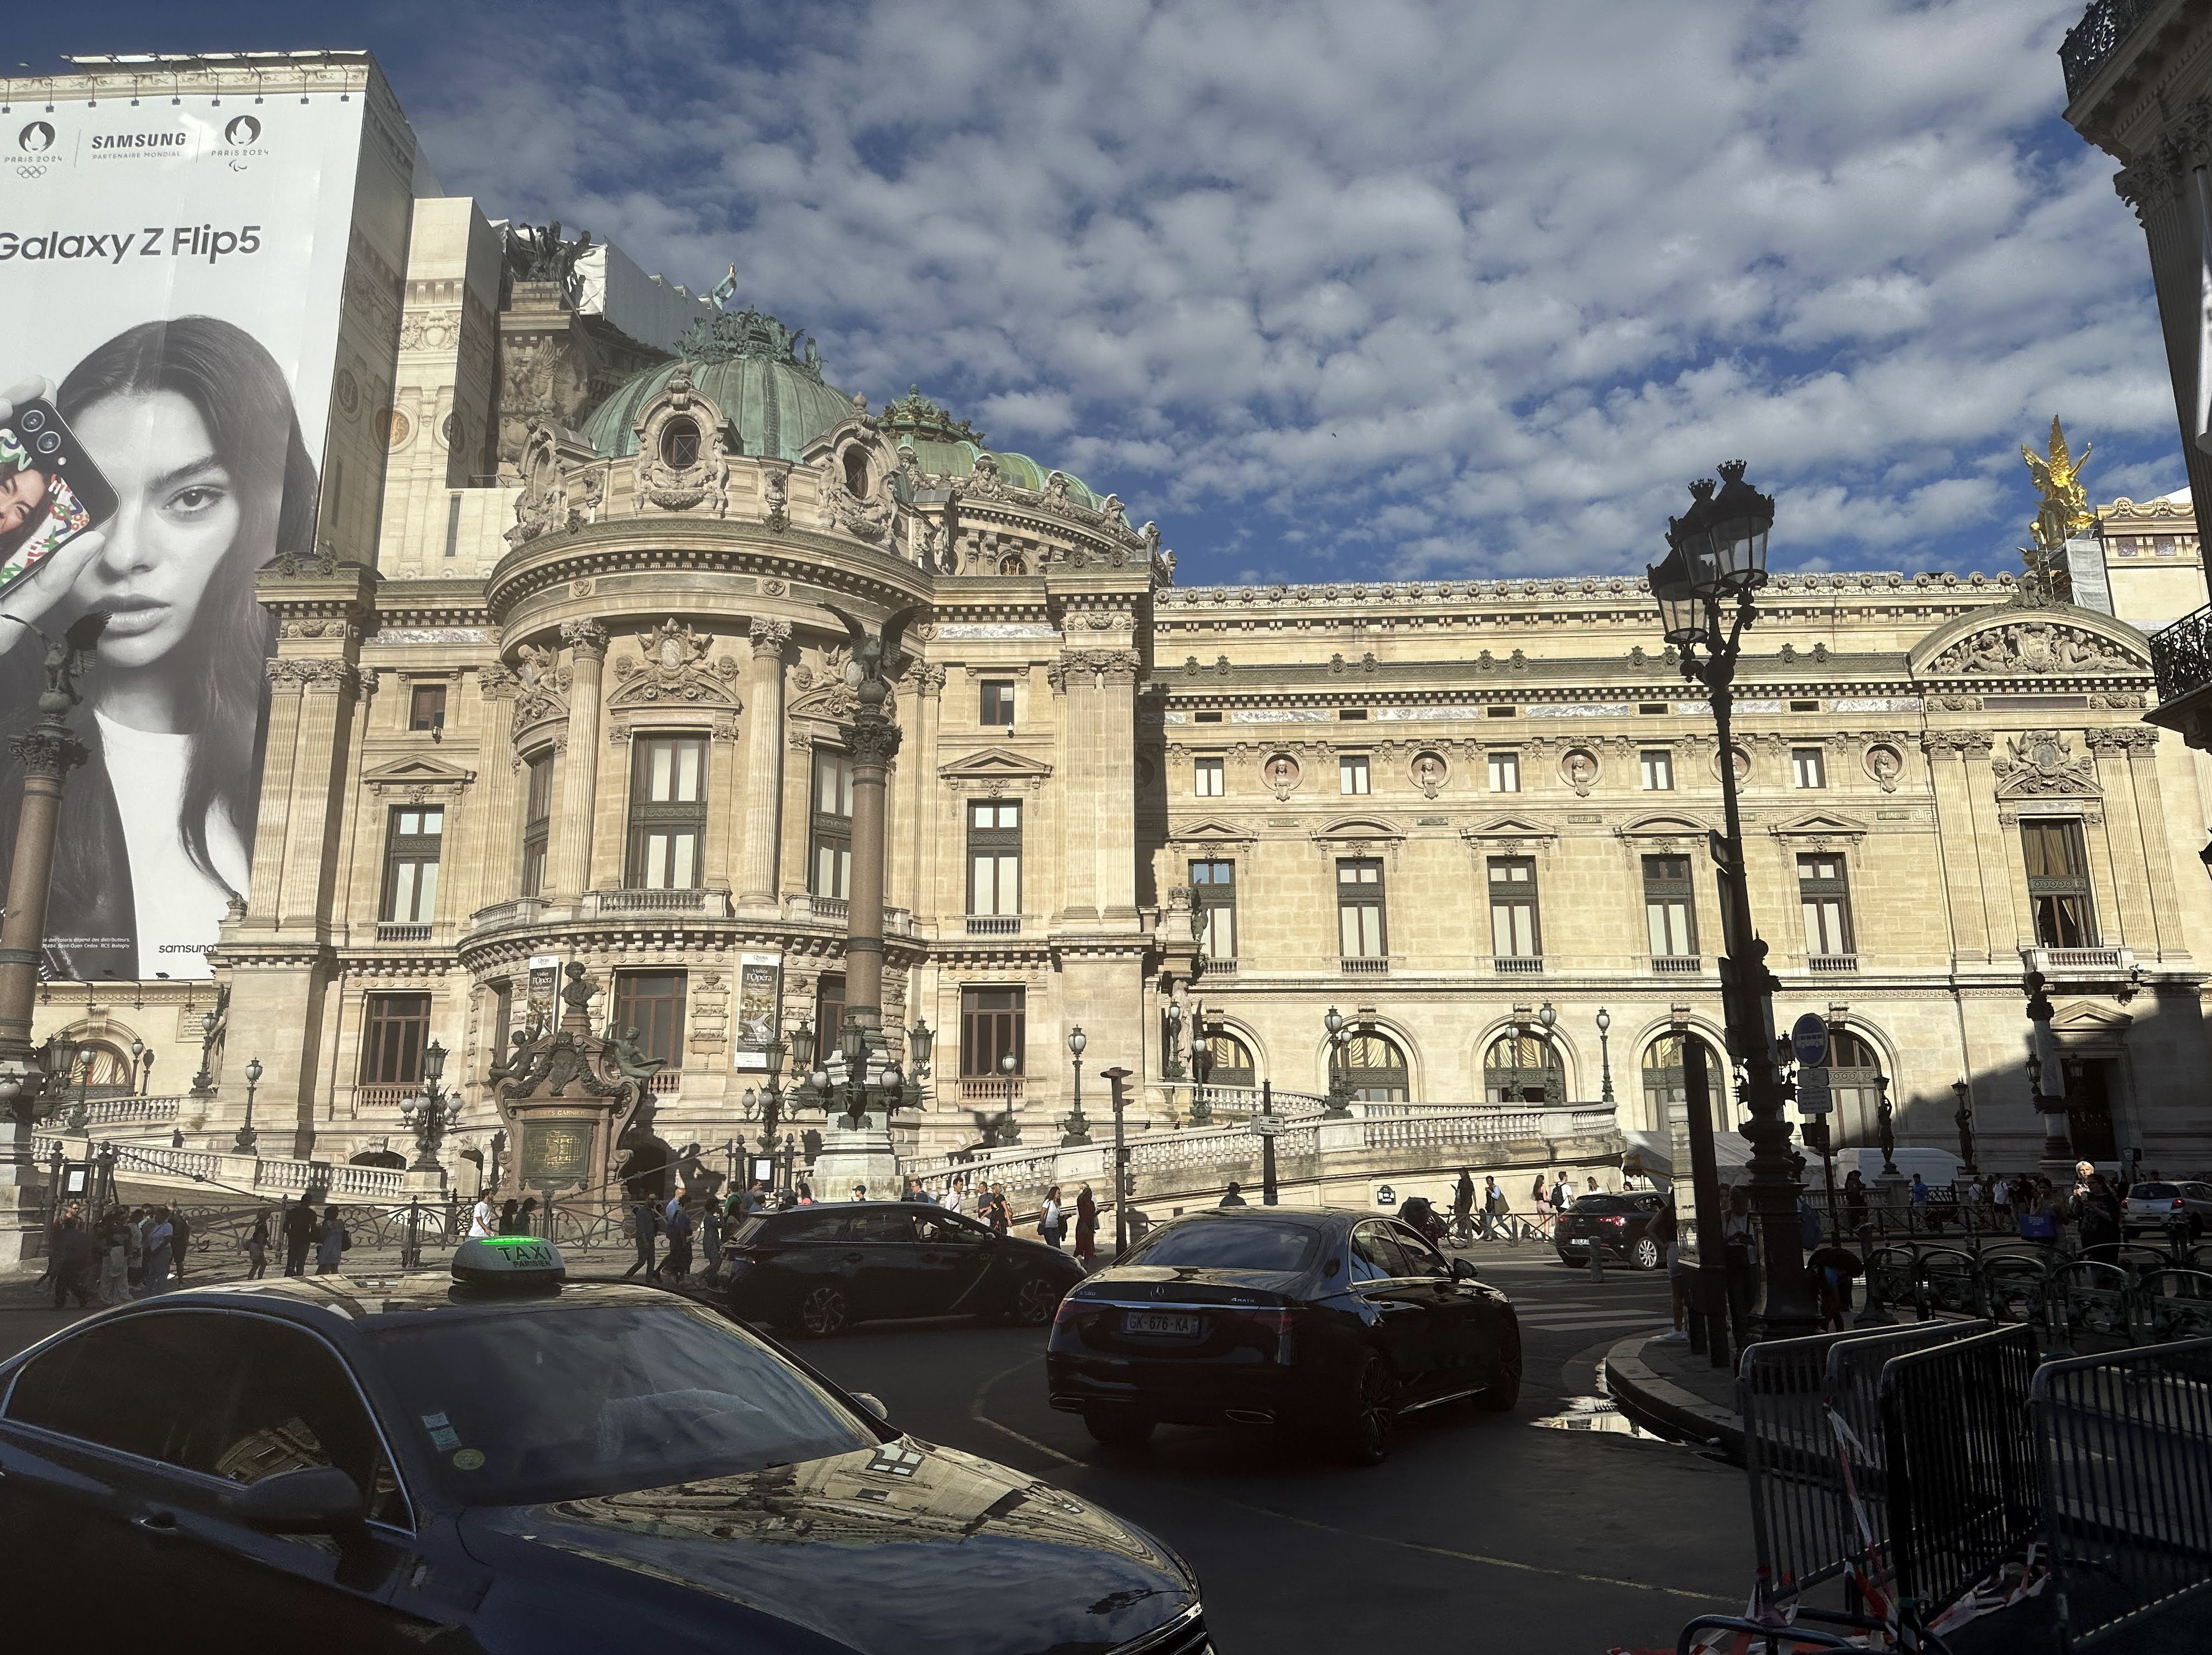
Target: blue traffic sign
x=1808, y=1038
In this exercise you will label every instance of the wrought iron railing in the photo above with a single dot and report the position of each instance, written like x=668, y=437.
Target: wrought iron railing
x=2181, y=655
x=2091, y=42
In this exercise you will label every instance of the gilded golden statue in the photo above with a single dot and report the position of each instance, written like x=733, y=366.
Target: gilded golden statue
x=2065, y=510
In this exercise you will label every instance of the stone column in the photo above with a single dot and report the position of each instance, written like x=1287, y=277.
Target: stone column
x=1076, y=677
x=280, y=758
x=2141, y=744
x=498, y=871
x=923, y=801
x=1997, y=856
x=2123, y=841
x=757, y=860
x=318, y=780
x=1956, y=846
x=1114, y=830
x=873, y=740
x=579, y=780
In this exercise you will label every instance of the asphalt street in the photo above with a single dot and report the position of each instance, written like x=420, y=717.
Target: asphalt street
x=1482, y=1532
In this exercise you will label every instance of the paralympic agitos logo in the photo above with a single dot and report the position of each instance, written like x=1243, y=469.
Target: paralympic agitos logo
x=154, y=241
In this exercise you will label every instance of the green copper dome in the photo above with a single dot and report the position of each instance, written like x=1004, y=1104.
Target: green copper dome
x=758, y=374
x=945, y=447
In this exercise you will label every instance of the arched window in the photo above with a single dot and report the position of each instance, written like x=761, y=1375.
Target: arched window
x=1523, y=1068
x=1374, y=1069
x=112, y=1074
x=1012, y=564
x=680, y=445
x=1663, y=1084
x=856, y=473
x=1231, y=1063
x=1854, y=1068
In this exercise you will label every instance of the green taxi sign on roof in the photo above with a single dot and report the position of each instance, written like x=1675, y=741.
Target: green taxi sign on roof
x=508, y=1264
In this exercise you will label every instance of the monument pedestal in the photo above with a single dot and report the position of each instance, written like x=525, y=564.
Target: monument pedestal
x=23, y=1219
x=850, y=1156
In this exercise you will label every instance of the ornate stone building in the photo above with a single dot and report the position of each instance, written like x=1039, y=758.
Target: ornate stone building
x=594, y=713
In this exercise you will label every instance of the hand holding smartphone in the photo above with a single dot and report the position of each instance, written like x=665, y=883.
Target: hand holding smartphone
x=51, y=491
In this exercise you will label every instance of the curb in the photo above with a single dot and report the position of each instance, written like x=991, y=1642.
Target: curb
x=1632, y=1383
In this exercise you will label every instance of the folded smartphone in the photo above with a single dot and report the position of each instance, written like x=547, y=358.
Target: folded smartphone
x=50, y=490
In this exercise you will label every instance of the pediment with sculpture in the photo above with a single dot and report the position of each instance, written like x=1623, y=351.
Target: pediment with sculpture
x=826, y=692
x=673, y=668
x=2057, y=640
x=2042, y=764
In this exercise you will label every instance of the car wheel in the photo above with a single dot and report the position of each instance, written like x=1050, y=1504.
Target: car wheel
x=1034, y=1302
x=1119, y=1428
x=1646, y=1254
x=1370, y=1413
x=1501, y=1397
x=823, y=1312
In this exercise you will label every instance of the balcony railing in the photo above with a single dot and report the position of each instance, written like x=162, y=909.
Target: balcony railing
x=836, y=909
x=668, y=1083
x=2090, y=44
x=995, y=925
x=383, y=1096
x=1004, y=1090
x=1677, y=964
x=1364, y=964
x=1832, y=962
x=2181, y=655
x=2074, y=961
x=1517, y=965
x=397, y=931
x=715, y=904
x=1217, y=965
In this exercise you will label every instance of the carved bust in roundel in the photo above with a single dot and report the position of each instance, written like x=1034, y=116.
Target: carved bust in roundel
x=684, y=445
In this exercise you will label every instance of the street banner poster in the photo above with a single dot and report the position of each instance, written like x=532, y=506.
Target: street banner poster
x=544, y=979
x=173, y=272
x=760, y=995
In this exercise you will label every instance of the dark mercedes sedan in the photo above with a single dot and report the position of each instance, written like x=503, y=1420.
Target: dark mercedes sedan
x=425, y=1464
x=819, y=1269
x=1331, y=1325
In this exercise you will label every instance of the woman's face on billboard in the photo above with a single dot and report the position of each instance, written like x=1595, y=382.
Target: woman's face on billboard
x=177, y=516
x=22, y=496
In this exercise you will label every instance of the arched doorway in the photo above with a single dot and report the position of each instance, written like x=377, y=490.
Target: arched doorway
x=1854, y=1082
x=1374, y=1069
x=1231, y=1061
x=111, y=1073
x=1523, y=1067
x=1663, y=1083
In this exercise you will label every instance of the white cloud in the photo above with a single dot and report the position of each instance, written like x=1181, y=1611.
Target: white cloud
x=1405, y=283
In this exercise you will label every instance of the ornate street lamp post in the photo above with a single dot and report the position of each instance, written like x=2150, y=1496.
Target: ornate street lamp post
x=431, y=1112
x=1340, y=1076
x=246, y=1136
x=1078, y=1129
x=2043, y=1062
x=1114, y=1077
x=1605, y=1055
x=1715, y=560
x=205, y=1081
x=1171, y=1059
x=1201, y=1068
x=1964, y=1119
x=138, y=1055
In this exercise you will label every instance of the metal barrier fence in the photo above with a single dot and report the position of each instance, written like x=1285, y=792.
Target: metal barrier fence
x=1961, y=1488
x=1801, y=1520
x=2125, y=1446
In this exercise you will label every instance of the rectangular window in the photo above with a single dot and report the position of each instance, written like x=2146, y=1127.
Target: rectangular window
x=537, y=818
x=1351, y=714
x=1805, y=770
x=1359, y=909
x=991, y=1030
x=828, y=1013
x=1505, y=772
x=1206, y=777
x=1825, y=894
x=1351, y=773
x=452, y=526
x=994, y=857
x=503, y=1019
x=411, y=864
x=998, y=703
x=399, y=1027
x=667, y=811
x=1213, y=889
x=1206, y=718
x=2058, y=883
x=1670, y=913
x=1658, y=770
x=652, y=1002
x=1513, y=931
x=830, y=855
x=426, y=707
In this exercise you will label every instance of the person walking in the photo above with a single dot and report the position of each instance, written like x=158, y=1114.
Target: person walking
x=1002, y=1215
x=1086, y=1225
x=159, y=1240
x=1563, y=1194
x=1739, y=1249
x=1233, y=1198
x=956, y=1197
x=2096, y=1210
x=180, y=1244
x=1667, y=1231
x=1052, y=1223
x=331, y=1240
x=482, y=1221
x=1536, y=1192
x=1463, y=1204
x=134, y=1252
x=509, y=1211
x=710, y=1240
x=643, y=1225
x=70, y=1261
x=114, y=1261
x=256, y=1247
x=1855, y=1201
x=299, y=1227
x=680, y=1228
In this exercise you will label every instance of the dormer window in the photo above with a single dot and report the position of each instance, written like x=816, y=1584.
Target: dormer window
x=680, y=445
x=856, y=473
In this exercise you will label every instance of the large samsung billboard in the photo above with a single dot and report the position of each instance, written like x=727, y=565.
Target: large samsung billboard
x=173, y=267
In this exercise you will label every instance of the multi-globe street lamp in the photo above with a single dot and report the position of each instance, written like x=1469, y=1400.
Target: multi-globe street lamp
x=1716, y=560
x=205, y=1081
x=1340, y=1076
x=246, y=1136
x=1078, y=1129
x=432, y=1112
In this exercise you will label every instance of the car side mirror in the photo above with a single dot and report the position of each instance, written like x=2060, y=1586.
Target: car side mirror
x=873, y=1402
x=1463, y=1270
x=316, y=1499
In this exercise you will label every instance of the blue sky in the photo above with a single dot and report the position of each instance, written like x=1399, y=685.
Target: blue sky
x=1382, y=289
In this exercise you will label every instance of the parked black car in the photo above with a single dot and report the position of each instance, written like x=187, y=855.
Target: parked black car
x=819, y=1269
x=422, y=1463
x=1330, y=1323
x=1622, y=1225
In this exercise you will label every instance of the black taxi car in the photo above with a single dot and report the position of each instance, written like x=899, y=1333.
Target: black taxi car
x=499, y=1462
x=818, y=1269
x=1331, y=1324
x=1625, y=1225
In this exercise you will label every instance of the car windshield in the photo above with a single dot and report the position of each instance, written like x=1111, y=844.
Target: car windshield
x=519, y=1407
x=2154, y=1191
x=1224, y=1243
x=1604, y=1204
